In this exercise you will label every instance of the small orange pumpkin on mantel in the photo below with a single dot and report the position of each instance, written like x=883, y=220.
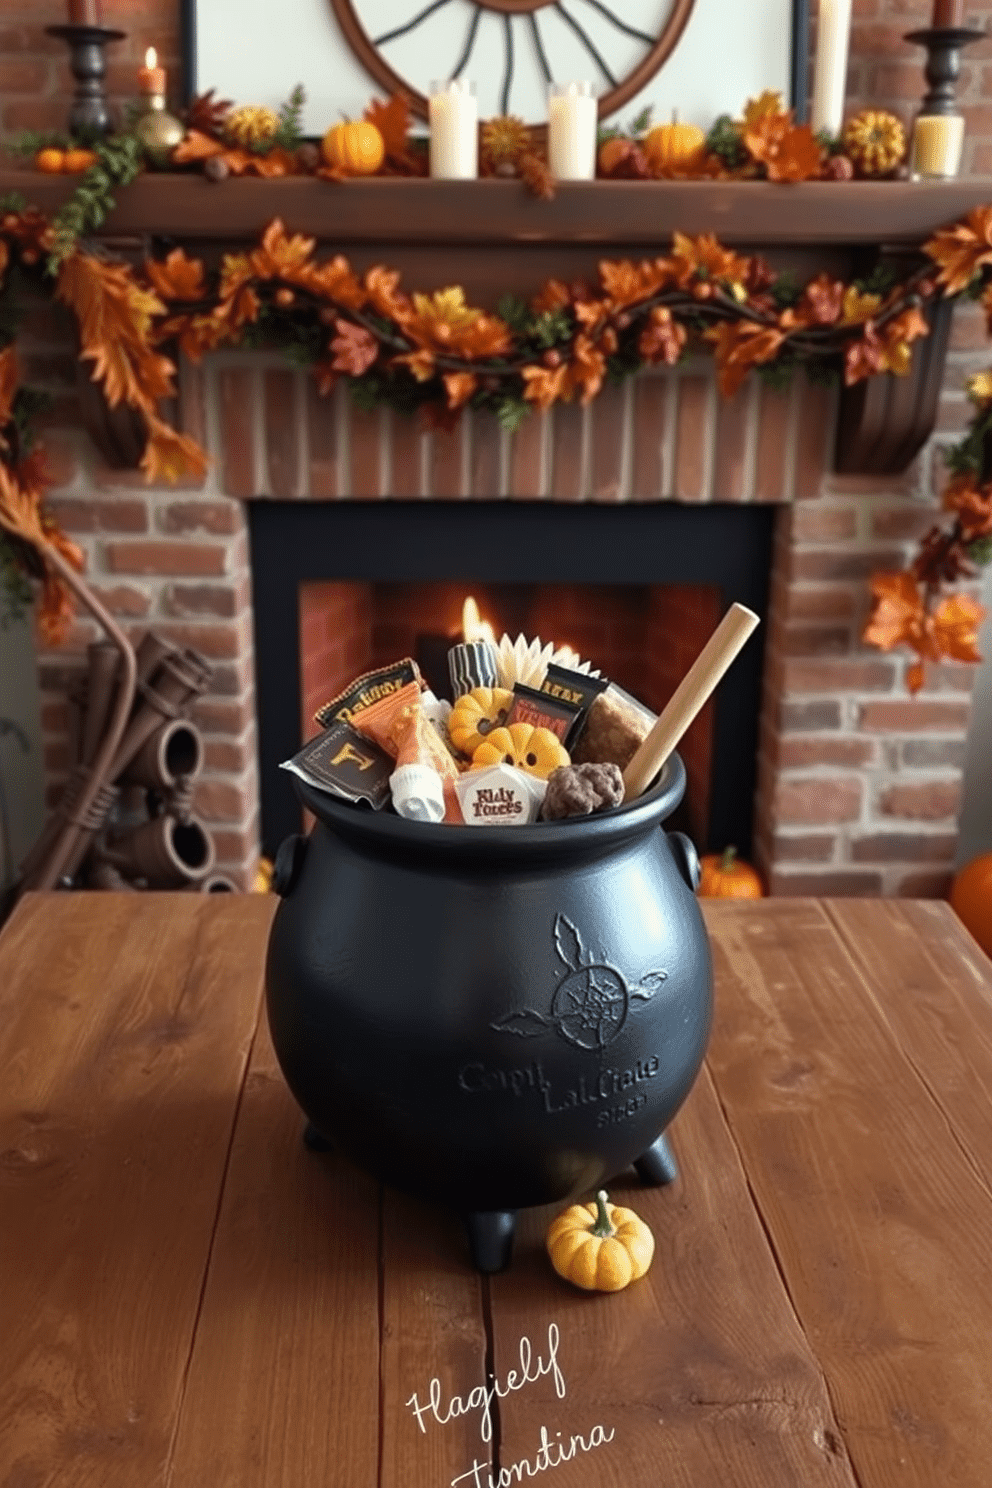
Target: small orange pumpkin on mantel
x=355, y=147
x=726, y=876
x=674, y=148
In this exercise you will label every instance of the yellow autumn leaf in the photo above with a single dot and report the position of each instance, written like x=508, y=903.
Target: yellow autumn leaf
x=858, y=307
x=979, y=387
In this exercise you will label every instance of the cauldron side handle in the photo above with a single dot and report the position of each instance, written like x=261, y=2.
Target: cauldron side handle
x=288, y=863
x=686, y=857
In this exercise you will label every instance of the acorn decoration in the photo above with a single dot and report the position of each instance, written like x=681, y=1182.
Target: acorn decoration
x=875, y=141
x=250, y=126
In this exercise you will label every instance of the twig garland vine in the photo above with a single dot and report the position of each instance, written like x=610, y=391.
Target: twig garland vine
x=435, y=354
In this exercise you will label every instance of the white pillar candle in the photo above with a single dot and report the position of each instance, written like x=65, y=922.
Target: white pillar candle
x=833, y=33
x=572, y=116
x=937, y=143
x=454, y=122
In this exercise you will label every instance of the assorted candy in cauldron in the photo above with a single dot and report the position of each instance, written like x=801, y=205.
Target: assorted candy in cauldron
x=502, y=1018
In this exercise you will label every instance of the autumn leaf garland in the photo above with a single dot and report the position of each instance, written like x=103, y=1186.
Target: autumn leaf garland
x=437, y=354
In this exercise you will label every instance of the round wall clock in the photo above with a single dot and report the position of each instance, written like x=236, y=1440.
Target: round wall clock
x=512, y=49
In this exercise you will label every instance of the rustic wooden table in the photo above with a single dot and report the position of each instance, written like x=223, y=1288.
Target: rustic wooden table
x=188, y=1297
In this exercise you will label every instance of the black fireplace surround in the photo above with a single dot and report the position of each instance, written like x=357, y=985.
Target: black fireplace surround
x=724, y=545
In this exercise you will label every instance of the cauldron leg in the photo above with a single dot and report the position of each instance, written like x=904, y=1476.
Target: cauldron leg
x=657, y=1165
x=315, y=1141
x=490, y=1238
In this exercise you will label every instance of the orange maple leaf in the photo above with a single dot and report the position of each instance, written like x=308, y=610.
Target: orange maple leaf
x=176, y=277
x=740, y=345
x=699, y=263
x=547, y=385
x=460, y=386
x=627, y=283
x=662, y=339
x=354, y=347
x=195, y=145
x=955, y=623
x=334, y=280
x=962, y=249
x=973, y=507
x=170, y=455
x=279, y=256
x=820, y=303
x=115, y=321
x=864, y=356
x=486, y=336
x=587, y=367
x=898, y=334
x=392, y=120
x=897, y=613
x=553, y=296
x=788, y=151
x=380, y=287
x=21, y=514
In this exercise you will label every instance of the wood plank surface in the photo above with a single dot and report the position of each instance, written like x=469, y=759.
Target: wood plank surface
x=123, y=1043
x=932, y=984
x=879, y=1219
x=701, y=1369
x=283, y=1384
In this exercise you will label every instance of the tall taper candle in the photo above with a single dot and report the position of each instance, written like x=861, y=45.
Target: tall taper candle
x=947, y=13
x=833, y=33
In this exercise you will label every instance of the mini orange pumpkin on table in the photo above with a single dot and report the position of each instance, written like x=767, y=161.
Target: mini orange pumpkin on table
x=600, y=1247
x=726, y=876
x=355, y=147
x=971, y=899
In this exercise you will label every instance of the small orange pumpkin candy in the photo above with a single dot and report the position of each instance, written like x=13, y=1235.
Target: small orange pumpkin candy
x=476, y=714
x=536, y=750
x=354, y=146
x=971, y=899
x=725, y=876
x=600, y=1247
x=674, y=147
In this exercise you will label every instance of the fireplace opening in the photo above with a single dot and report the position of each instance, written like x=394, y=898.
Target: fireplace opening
x=340, y=587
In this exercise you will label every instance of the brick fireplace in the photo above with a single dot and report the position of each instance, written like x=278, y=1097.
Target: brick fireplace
x=858, y=783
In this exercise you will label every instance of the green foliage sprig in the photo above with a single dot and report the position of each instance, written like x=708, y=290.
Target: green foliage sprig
x=119, y=160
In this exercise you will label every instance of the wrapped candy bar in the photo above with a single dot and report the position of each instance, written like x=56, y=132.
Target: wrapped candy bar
x=615, y=727
x=499, y=796
x=398, y=724
x=368, y=689
x=472, y=664
x=341, y=761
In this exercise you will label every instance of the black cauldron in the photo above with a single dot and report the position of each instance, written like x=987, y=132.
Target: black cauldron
x=491, y=1017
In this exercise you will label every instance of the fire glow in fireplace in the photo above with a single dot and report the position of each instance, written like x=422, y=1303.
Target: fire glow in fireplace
x=637, y=590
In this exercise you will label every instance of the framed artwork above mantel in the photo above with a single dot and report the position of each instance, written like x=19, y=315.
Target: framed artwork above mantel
x=699, y=57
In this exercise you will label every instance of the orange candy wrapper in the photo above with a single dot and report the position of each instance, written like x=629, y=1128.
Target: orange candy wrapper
x=397, y=723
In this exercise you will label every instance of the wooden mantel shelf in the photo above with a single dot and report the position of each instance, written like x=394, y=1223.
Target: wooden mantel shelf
x=399, y=210
x=493, y=237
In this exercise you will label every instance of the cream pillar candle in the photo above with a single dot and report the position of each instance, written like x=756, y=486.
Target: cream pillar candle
x=454, y=123
x=937, y=143
x=833, y=32
x=572, y=116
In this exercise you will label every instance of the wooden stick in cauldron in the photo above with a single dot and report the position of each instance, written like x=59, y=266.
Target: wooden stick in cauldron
x=689, y=697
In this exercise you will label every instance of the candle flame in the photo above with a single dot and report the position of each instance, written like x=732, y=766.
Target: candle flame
x=474, y=628
x=151, y=57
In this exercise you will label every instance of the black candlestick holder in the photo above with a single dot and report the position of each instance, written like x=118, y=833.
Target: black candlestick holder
x=89, y=115
x=944, y=46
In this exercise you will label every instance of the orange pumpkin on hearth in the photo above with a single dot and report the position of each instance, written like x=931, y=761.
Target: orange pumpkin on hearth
x=726, y=876
x=971, y=899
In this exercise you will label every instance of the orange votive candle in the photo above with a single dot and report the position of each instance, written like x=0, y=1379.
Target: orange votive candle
x=151, y=77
